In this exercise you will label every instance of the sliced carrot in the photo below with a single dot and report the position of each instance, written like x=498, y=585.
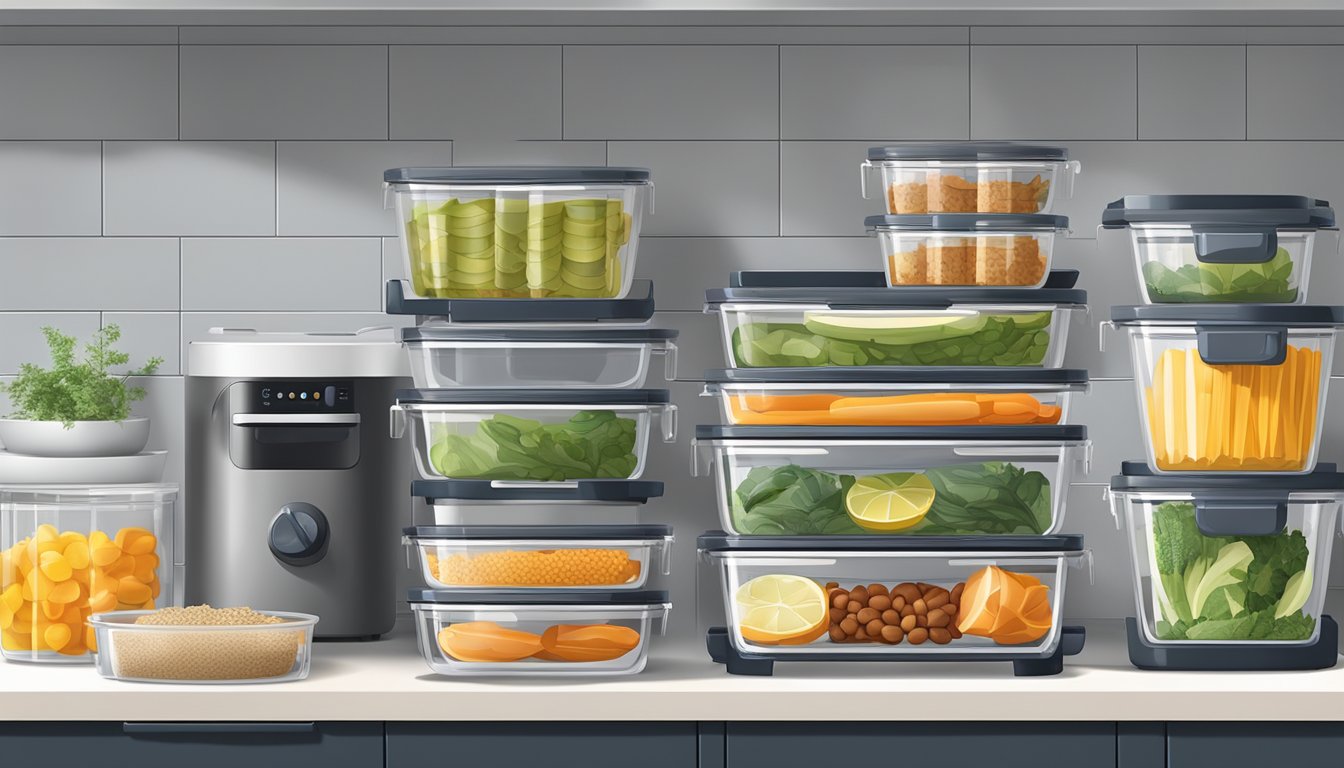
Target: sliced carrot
x=764, y=403
x=900, y=410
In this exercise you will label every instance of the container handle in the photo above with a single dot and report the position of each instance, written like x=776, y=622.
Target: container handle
x=864, y=169
x=667, y=419
x=396, y=422
x=1243, y=346
x=665, y=556
x=662, y=620
x=700, y=459
x=650, y=197
x=1108, y=496
x=1240, y=516
x=1235, y=243
x=1102, y=328
x=669, y=352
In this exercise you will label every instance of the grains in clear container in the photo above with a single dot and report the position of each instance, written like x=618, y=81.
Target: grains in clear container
x=1008, y=260
x=202, y=654
x=1011, y=196
x=908, y=197
x=950, y=193
x=951, y=262
x=908, y=267
x=589, y=567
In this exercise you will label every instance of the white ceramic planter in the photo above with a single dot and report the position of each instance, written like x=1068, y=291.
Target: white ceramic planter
x=84, y=439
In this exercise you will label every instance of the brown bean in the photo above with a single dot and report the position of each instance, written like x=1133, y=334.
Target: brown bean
x=849, y=625
x=867, y=614
x=853, y=606
x=837, y=615
x=924, y=587
x=874, y=628
x=860, y=635
x=840, y=599
x=898, y=602
x=892, y=635
x=921, y=608
x=891, y=617
x=938, y=619
x=908, y=623
x=876, y=589
x=908, y=610
x=917, y=636
x=909, y=591
x=837, y=634
x=956, y=592
x=879, y=602
x=938, y=600
x=921, y=621
x=830, y=585
x=940, y=636
x=956, y=633
x=859, y=593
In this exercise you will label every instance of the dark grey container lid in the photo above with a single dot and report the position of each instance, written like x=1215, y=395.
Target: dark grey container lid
x=517, y=174
x=1036, y=432
x=1274, y=210
x=895, y=375
x=637, y=306
x=621, y=532
x=1138, y=476
x=719, y=541
x=1230, y=314
x=597, y=334
x=630, y=491
x=967, y=222
x=505, y=397
x=829, y=288
x=967, y=150
x=615, y=598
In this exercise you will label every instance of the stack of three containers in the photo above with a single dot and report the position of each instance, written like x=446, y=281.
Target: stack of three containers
x=529, y=422
x=892, y=474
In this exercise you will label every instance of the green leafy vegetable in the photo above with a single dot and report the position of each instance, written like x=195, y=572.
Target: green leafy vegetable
x=1268, y=283
x=592, y=444
x=76, y=389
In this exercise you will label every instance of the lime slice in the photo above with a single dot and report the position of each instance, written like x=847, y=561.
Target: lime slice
x=890, y=502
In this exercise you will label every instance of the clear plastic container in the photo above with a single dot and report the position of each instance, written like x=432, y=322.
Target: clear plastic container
x=1231, y=388
x=499, y=502
x=201, y=654
x=446, y=356
x=886, y=481
x=987, y=599
x=555, y=633
x=70, y=551
x=535, y=435
x=904, y=397
x=851, y=319
x=1203, y=249
x=1007, y=250
x=1229, y=560
x=545, y=557
x=970, y=177
x=520, y=232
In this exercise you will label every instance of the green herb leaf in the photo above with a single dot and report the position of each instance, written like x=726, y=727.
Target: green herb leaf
x=77, y=390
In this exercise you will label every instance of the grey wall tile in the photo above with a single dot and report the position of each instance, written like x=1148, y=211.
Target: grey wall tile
x=500, y=151
x=163, y=405
x=88, y=92
x=34, y=175
x=1110, y=409
x=671, y=92
x=1294, y=92
x=293, y=274
x=79, y=273
x=24, y=343
x=189, y=188
x=454, y=91
x=196, y=326
x=336, y=187
x=858, y=92
x=284, y=92
x=1053, y=92
x=819, y=188
x=87, y=35
x=146, y=335
x=708, y=188
x=1111, y=593
x=538, y=31
x=1192, y=92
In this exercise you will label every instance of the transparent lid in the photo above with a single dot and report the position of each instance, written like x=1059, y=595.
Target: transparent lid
x=518, y=174
x=87, y=494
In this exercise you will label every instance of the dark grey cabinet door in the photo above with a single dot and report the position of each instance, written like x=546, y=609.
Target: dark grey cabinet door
x=194, y=745
x=531, y=745
x=946, y=745
x=1255, y=745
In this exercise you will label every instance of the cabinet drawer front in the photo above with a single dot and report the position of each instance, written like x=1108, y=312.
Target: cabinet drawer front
x=1255, y=745
x=529, y=745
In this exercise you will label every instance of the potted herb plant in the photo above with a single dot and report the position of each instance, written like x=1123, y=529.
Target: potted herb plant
x=76, y=408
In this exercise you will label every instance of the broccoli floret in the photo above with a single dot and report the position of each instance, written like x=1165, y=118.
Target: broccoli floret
x=1176, y=537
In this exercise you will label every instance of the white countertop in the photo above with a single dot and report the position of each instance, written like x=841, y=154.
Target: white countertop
x=388, y=680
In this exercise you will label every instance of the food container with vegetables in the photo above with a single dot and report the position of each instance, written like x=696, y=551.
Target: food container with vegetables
x=891, y=481
x=893, y=599
x=902, y=397
x=1230, y=572
x=1204, y=249
x=535, y=435
x=520, y=232
x=851, y=319
x=498, y=502
x=543, y=557
x=616, y=357
x=465, y=632
x=70, y=551
x=200, y=645
x=969, y=177
x=1232, y=387
x=990, y=249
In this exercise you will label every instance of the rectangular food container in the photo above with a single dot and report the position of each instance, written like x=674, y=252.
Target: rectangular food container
x=462, y=632
x=520, y=232
x=202, y=654
x=70, y=551
x=1229, y=560
x=982, y=599
x=540, y=557
x=891, y=481
x=902, y=397
x=537, y=435
x=970, y=177
x=1231, y=388
x=962, y=249
x=502, y=502
x=446, y=356
x=844, y=319
x=1203, y=249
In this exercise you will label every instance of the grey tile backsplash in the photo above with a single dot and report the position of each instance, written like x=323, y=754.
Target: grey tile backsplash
x=254, y=198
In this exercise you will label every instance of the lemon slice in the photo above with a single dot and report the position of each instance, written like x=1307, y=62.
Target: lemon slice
x=890, y=502
x=779, y=609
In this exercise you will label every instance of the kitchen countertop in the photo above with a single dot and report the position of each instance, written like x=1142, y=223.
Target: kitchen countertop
x=388, y=681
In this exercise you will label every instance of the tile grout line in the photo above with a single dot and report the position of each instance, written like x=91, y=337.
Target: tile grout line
x=1246, y=92
x=779, y=140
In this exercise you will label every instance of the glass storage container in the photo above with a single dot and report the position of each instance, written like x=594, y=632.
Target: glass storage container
x=1202, y=249
x=885, y=481
x=463, y=632
x=68, y=552
x=970, y=177
x=520, y=232
x=1011, y=250
x=1232, y=387
x=502, y=502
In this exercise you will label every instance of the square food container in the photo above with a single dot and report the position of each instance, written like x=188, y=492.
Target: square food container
x=462, y=632
x=902, y=397
x=982, y=599
x=520, y=232
x=851, y=319
x=970, y=177
x=503, y=502
x=201, y=654
x=891, y=481
x=1231, y=388
x=536, y=435
x=540, y=557
x=447, y=356
x=1203, y=249
x=1229, y=560
x=70, y=551
x=960, y=249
